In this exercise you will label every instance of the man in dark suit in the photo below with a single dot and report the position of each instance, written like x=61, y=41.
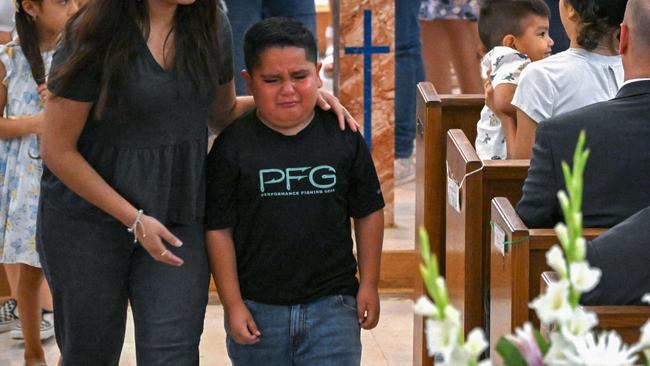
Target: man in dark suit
x=622, y=253
x=617, y=176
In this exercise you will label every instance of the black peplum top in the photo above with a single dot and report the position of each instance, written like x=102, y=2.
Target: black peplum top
x=152, y=148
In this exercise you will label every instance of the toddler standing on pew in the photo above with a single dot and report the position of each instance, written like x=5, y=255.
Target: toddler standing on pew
x=516, y=33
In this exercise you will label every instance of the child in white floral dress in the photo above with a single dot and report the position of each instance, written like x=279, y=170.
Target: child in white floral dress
x=23, y=69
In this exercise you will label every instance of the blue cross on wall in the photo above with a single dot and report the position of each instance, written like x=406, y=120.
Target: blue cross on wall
x=367, y=50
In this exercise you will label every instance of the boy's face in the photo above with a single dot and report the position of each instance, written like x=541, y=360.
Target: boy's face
x=285, y=87
x=535, y=40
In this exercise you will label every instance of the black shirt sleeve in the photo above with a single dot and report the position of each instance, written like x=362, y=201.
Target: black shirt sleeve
x=224, y=42
x=222, y=176
x=365, y=195
x=85, y=84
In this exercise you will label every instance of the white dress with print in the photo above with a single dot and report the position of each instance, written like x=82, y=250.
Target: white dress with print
x=20, y=174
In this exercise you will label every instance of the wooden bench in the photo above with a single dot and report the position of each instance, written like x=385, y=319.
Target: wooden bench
x=516, y=267
x=625, y=320
x=436, y=114
x=468, y=231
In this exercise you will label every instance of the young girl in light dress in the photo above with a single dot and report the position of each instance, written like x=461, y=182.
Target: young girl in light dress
x=24, y=65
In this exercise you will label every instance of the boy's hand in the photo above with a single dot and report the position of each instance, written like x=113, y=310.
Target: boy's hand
x=368, y=306
x=242, y=326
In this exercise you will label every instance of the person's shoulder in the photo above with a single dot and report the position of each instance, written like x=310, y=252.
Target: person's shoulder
x=240, y=128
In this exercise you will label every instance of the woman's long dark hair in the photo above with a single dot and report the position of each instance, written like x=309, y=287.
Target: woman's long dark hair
x=28, y=36
x=104, y=35
x=598, y=20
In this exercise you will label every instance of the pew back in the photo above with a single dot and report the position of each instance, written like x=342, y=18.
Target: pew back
x=436, y=114
x=517, y=259
x=468, y=222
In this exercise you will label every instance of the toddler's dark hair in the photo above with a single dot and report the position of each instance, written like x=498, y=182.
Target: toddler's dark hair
x=598, y=18
x=277, y=32
x=499, y=18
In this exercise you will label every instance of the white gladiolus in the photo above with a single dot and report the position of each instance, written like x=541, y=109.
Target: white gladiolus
x=452, y=315
x=555, y=259
x=608, y=350
x=553, y=306
x=579, y=324
x=442, y=336
x=583, y=277
x=562, y=234
x=556, y=354
x=644, y=341
x=476, y=343
x=425, y=307
x=646, y=299
x=563, y=198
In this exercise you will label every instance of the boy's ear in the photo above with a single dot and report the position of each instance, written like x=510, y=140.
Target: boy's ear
x=248, y=79
x=319, y=65
x=509, y=41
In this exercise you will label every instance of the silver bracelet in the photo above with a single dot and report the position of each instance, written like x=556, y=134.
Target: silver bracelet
x=133, y=228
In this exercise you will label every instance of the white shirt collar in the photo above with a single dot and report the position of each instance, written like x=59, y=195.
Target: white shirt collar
x=634, y=81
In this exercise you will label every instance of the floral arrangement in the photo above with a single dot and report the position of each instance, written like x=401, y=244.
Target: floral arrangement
x=572, y=341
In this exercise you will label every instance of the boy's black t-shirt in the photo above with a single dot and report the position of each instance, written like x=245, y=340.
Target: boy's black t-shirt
x=288, y=200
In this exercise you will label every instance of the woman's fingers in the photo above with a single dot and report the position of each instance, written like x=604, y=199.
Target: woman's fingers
x=151, y=236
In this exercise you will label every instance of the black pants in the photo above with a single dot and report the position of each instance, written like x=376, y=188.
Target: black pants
x=94, y=269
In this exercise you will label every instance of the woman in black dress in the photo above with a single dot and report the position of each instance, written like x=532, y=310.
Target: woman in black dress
x=120, y=219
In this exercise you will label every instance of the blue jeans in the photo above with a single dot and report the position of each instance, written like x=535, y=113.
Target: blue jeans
x=244, y=13
x=409, y=70
x=94, y=270
x=323, y=332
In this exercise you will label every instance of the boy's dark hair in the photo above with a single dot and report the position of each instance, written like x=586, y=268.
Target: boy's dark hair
x=499, y=18
x=598, y=18
x=277, y=32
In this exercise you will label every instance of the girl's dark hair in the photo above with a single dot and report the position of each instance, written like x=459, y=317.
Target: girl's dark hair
x=598, y=19
x=105, y=36
x=28, y=36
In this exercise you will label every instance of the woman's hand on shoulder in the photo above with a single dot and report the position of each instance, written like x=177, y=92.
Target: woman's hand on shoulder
x=327, y=101
x=152, y=234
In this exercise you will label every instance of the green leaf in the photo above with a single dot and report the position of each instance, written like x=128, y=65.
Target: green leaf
x=542, y=343
x=510, y=353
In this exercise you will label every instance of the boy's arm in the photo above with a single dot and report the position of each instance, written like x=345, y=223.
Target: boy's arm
x=221, y=253
x=369, y=233
x=503, y=94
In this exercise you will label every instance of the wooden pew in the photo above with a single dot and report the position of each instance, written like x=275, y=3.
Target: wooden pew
x=516, y=268
x=468, y=225
x=435, y=115
x=625, y=320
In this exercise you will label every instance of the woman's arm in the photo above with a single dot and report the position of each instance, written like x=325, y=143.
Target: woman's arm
x=228, y=107
x=525, y=137
x=65, y=121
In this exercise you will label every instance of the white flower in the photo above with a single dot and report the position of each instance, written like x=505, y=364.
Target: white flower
x=556, y=354
x=452, y=314
x=485, y=363
x=553, y=306
x=644, y=341
x=425, y=307
x=442, y=336
x=527, y=344
x=609, y=350
x=476, y=343
x=562, y=232
x=563, y=198
x=646, y=299
x=555, y=259
x=579, y=324
x=583, y=277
